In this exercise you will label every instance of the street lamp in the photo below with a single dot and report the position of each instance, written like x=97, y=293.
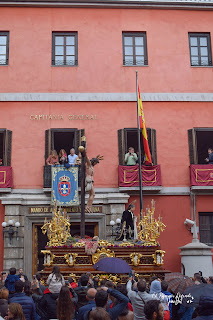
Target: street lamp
x=112, y=223
x=11, y=228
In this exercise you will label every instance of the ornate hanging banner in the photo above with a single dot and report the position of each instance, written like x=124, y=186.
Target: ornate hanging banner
x=64, y=186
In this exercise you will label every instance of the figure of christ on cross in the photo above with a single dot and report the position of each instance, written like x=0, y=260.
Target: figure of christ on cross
x=89, y=181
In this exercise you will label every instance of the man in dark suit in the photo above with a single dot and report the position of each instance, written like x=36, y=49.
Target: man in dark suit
x=127, y=217
x=90, y=296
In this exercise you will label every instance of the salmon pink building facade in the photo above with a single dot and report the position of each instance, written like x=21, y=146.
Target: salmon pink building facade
x=68, y=69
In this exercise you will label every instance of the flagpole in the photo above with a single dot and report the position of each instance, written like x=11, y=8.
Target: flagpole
x=139, y=151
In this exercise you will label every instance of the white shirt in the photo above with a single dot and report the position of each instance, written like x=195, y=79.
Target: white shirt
x=71, y=159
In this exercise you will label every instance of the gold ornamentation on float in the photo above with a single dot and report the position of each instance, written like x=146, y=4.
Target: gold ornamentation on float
x=110, y=277
x=126, y=244
x=102, y=253
x=135, y=258
x=48, y=257
x=73, y=276
x=79, y=244
x=104, y=243
x=70, y=258
x=57, y=229
x=149, y=228
x=158, y=257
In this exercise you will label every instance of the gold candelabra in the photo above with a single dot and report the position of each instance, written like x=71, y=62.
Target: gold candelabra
x=149, y=228
x=57, y=229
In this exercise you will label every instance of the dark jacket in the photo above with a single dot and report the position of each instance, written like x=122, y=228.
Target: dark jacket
x=205, y=309
x=48, y=305
x=85, y=309
x=123, y=302
x=118, y=308
x=27, y=304
x=3, y=307
x=127, y=216
x=81, y=293
x=10, y=282
x=211, y=158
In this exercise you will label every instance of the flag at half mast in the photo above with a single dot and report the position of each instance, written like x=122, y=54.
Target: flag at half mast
x=143, y=127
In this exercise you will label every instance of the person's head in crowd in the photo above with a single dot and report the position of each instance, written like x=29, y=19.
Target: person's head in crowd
x=126, y=314
x=12, y=271
x=91, y=294
x=94, y=161
x=96, y=282
x=99, y=314
x=164, y=285
x=101, y=298
x=210, y=150
x=155, y=287
x=131, y=150
x=4, y=293
x=15, y=312
x=153, y=310
x=109, y=284
x=210, y=280
x=27, y=288
x=103, y=282
x=141, y=285
x=38, y=276
x=54, y=153
x=62, y=153
x=19, y=286
x=72, y=151
x=65, y=306
x=57, y=273
x=131, y=207
x=84, y=280
x=197, y=277
x=122, y=288
x=70, y=280
x=21, y=271
x=153, y=278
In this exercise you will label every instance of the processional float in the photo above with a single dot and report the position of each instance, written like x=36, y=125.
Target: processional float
x=76, y=255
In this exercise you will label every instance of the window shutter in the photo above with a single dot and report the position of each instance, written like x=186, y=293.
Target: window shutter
x=121, y=146
x=149, y=136
x=48, y=144
x=7, y=148
x=153, y=146
x=192, y=146
x=78, y=134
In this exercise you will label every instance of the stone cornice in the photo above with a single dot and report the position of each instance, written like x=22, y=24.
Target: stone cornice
x=143, y=4
x=105, y=97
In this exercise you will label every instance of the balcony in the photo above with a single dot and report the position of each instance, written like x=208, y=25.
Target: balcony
x=201, y=177
x=128, y=177
x=6, y=179
x=47, y=179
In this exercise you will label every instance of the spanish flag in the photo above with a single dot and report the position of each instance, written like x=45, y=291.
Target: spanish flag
x=143, y=127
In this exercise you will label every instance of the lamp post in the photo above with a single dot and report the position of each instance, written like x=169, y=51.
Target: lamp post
x=11, y=228
x=112, y=223
x=118, y=227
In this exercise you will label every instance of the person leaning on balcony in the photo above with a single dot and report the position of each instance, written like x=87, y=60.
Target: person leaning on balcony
x=131, y=157
x=62, y=157
x=52, y=159
x=72, y=157
x=210, y=158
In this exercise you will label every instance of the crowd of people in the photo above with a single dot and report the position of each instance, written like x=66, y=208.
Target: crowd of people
x=71, y=160
x=92, y=299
